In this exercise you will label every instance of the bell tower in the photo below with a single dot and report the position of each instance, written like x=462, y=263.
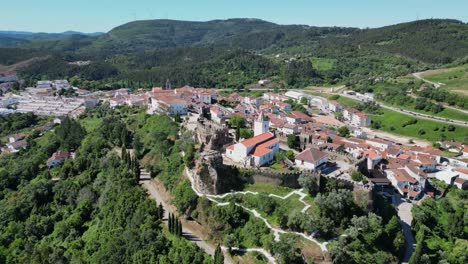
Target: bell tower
x=261, y=124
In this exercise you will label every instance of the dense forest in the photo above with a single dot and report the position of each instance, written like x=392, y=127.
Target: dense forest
x=441, y=228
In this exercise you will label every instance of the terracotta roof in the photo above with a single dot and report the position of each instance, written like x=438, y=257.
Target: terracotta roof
x=380, y=141
x=18, y=136
x=311, y=155
x=263, y=148
x=361, y=115
x=401, y=175
x=403, y=156
x=59, y=155
x=459, y=180
x=462, y=170
x=372, y=154
x=18, y=144
x=257, y=139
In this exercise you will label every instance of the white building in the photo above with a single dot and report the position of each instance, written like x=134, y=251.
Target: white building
x=334, y=106
x=261, y=125
x=61, y=84
x=311, y=158
x=256, y=151
x=169, y=104
x=205, y=97
x=379, y=143
x=216, y=114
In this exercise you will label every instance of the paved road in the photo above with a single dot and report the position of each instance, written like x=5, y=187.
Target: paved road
x=404, y=213
x=145, y=181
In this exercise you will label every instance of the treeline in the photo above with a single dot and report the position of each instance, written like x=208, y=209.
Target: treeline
x=441, y=229
x=444, y=96
x=12, y=123
x=56, y=67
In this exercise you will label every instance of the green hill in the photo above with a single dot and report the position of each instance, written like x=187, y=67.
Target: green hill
x=165, y=47
x=434, y=41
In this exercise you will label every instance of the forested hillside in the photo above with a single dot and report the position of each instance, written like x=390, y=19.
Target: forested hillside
x=88, y=210
x=207, y=53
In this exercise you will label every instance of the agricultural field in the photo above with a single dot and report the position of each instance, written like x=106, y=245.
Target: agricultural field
x=430, y=130
x=454, y=79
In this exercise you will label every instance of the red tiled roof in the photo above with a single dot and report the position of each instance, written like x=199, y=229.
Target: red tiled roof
x=401, y=175
x=459, y=180
x=263, y=148
x=311, y=155
x=257, y=139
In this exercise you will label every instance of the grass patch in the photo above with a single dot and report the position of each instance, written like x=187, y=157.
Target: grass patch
x=455, y=79
x=90, y=123
x=392, y=122
x=271, y=208
x=322, y=64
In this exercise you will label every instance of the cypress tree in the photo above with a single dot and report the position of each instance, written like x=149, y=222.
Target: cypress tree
x=176, y=229
x=161, y=211
x=169, y=221
x=123, y=153
x=218, y=255
x=180, y=228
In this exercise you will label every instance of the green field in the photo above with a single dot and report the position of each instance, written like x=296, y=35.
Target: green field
x=455, y=79
x=322, y=64
x=392, y=122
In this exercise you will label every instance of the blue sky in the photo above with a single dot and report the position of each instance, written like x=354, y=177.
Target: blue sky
x=103, y=15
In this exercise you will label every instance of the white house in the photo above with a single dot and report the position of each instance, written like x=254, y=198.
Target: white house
x=404, y=183
x=17, y=145
x=16, y=137
x=311, y=158
x=216, y=114
x=57, y=158
x=205, y=97
x=334, y=106
x=379, y=143
x=168, y=104
x=61, y=84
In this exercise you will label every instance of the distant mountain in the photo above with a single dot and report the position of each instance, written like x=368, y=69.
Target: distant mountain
x=243, y=49
x=16, y=38
x=431, y=41
x=241, y=33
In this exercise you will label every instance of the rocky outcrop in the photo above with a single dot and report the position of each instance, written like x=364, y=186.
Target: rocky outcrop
x=212, y=135
x=205, y=172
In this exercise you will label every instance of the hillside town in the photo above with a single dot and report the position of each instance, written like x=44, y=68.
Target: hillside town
x=335, y=145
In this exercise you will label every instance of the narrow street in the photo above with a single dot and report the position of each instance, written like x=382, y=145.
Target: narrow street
x=404, y=213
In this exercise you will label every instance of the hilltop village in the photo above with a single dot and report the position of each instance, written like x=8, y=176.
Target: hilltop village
x=257, y=131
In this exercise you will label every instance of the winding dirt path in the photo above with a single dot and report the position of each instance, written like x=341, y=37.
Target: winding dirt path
x=276, y=231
